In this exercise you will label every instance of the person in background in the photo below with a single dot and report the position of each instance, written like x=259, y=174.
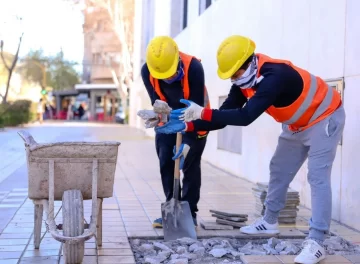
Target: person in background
x=81, y=111
x=70, y=113
x=40, y=111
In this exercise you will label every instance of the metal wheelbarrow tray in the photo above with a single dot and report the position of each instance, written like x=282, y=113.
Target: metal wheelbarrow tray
x=71, y=172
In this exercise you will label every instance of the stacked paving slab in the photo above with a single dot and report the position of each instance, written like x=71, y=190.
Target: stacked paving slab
x=288, y=214
x=225, y=221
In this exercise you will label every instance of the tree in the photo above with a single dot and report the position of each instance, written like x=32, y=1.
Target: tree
x=33, y=68
x=60, y=74
x=120, y=22
x=9, y=66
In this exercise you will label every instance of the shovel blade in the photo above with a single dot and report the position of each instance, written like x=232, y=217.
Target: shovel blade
x=177, y=220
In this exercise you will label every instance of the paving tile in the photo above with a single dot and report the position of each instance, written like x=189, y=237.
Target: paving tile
x=114, y=234
x=353, y=258
x=10, y=254
x=41, y=253
x=90, y=245
x=46, y=240
x=141, y=234
x=342, y=230
x=355, y=238
x=44, y=245
x=9, y=205
x=12, y=248
x=335, y=259
x=259, y=259
x=116, y=260
x=86, y=260
x=286, y=259
x=90, y=252
x=120, y=245
x=8, y=242
x=9, y=261
x=15, y=236
x=40, y=260
x=286, y=232
x=115, y=252
x=115, y=239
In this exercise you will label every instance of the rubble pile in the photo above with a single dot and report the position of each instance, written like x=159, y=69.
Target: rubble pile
x=225, y=250
x=288, y=214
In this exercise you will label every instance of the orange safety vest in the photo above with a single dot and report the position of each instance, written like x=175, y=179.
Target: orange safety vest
x=186, y=59
x=317, y=100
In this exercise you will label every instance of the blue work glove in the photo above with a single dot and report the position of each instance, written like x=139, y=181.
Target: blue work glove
x=190, y=113
x=182, y=153
x=171, y=127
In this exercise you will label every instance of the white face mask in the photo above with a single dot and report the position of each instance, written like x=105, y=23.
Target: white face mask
x=248, y=79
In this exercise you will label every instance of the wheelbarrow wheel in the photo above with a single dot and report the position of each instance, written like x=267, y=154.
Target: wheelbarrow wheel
x=73, y=225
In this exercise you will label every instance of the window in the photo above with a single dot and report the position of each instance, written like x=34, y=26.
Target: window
x=185, y=11
x=339, y=86
x=230, y=137
x=204, y=4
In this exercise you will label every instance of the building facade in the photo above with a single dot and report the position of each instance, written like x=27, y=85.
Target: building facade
x=326, y=44
x=108, y=52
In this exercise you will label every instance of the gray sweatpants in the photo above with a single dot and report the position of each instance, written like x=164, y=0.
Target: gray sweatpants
x=317, y=143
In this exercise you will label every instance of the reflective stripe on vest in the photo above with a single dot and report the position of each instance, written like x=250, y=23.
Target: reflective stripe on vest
x=317, y=100
x=186, y=60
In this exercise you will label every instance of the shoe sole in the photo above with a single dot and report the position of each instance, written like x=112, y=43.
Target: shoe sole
x=265, y=232
x=157, y=226
x=320, y=259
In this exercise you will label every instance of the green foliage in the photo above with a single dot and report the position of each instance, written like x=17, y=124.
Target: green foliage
x=63, y=73
x=60, y=73
x=17, y=113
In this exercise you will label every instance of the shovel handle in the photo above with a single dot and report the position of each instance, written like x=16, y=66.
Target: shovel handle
x=177, y=161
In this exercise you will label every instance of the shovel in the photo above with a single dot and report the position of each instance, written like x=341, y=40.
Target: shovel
x=176, y=215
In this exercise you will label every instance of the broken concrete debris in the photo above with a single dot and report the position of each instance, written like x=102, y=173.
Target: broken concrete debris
x=288, y=214
x=226, y=250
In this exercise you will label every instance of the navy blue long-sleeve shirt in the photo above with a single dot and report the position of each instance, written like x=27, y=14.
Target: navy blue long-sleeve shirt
x=174, y=92
x=281, y=86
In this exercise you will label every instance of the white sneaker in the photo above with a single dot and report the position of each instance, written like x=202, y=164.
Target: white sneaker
x=312, y=253
x=260, y=226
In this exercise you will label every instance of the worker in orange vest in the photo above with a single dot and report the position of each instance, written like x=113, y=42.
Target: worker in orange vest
x=312, y=117
x=170, y=75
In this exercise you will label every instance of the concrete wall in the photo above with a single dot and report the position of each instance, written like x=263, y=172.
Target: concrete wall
x=325, y=43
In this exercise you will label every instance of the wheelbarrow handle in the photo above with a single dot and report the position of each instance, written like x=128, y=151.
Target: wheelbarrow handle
x=28, y=139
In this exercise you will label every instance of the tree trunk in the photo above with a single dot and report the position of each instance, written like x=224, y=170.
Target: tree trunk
x=10, y=69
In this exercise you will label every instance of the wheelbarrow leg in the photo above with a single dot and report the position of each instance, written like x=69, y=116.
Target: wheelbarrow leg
x=99, y=225
x=38, y=214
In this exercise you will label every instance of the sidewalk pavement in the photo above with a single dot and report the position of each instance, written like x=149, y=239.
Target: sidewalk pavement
x=136, y=203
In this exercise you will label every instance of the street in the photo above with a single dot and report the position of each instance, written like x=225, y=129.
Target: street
x=136, y=202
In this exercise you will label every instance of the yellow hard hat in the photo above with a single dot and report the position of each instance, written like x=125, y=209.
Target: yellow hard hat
x=162, y=57
x=232, y=53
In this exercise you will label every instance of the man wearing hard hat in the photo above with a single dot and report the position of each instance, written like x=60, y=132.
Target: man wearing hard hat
x=170, y=75
x=312, y=118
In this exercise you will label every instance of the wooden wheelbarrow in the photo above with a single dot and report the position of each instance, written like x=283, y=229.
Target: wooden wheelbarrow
x=71, y=172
